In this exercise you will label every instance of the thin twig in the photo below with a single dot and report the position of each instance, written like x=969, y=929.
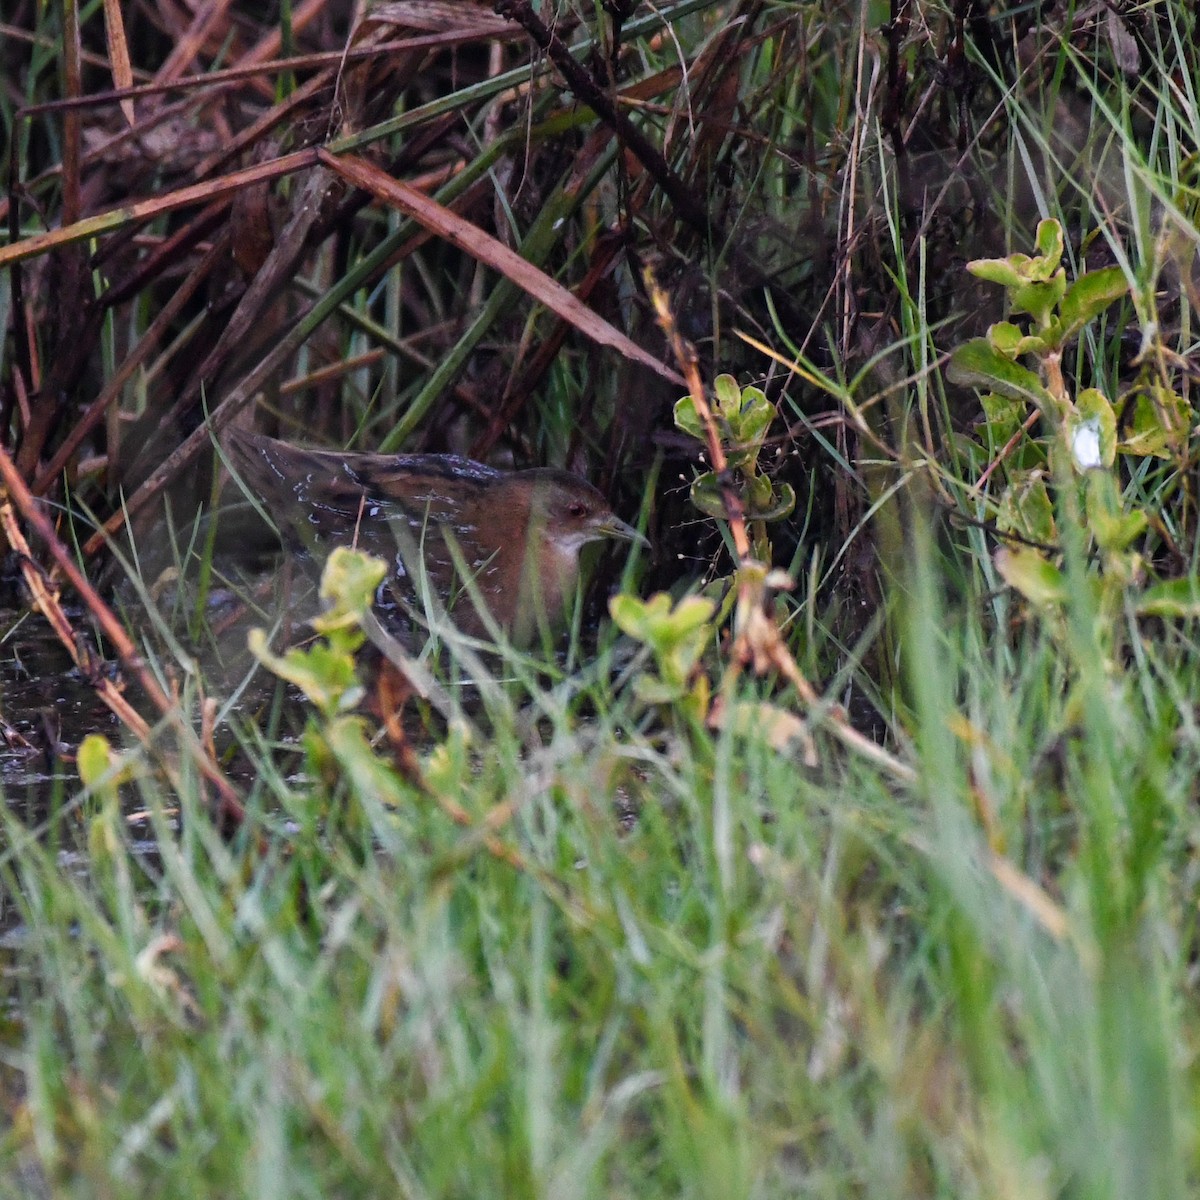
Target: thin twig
x=589, y=91
x=757, y=642
x=685, y=356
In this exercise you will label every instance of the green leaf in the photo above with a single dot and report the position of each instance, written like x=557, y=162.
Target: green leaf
x=1174, y=598
x=676, y=635
x=1118, y=531
x=93, y=759
x=743, y=458
x=1040, y=298
x=326, y=676
x=975, y=455
x=1049, y=244
x=728, y=396
x=743, y=417
x=348, y=584
x=368, y=774
x=656, y=621
x=775, y=502
x=707, y=496
x=634, y=616
x=1032, y=574
x=1017, y=270
x=1159, y=425
x=1113, y=526
x=978, y=363
x=1088, y=296
x=688, y=420
x=1025, y=508
x=1009, y=272
x=1012, y=341
x=749, y=425
x=1002, y=415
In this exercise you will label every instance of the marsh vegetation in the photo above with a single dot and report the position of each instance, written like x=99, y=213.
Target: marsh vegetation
x=845, y=844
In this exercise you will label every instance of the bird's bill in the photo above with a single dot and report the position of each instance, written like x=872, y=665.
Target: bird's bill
x=613, y=527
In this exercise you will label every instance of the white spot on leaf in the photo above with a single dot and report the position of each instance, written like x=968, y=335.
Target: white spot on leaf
x=1085, y=445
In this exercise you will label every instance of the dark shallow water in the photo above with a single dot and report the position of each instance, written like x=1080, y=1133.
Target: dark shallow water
x=46, y=708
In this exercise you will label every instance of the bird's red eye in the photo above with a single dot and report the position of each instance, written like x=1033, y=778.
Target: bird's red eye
x=577, y=508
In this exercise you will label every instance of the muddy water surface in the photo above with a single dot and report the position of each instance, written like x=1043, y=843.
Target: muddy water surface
x=46, y=709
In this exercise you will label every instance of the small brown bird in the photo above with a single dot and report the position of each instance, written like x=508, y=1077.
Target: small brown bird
x=518, y=534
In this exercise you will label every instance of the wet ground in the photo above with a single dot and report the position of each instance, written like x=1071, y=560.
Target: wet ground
x=46, y=709
x=48, y=706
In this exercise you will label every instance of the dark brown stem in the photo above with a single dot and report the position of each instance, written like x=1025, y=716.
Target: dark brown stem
x=587, y=89
x=146, y=345
x=20, y=326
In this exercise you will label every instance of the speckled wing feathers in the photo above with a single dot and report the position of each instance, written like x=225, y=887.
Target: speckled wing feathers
x=399, y=507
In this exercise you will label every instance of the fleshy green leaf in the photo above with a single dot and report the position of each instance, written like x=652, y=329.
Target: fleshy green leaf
x=750, y=424
x=1005, y=271
x=348, y=583
x=687, y=419
x=1119, y=531
x=346, y=739
x=1049, y=243
x=1159, y=425
x=1174, y=598
x=1001, y=417
x=324, y=675
x=632, y=614
x=707, y=496
x=1088, y=296
x=1114, y=526
x=728, y=396
x=1040, y=298
x=978, y=363
x=656, y=621
x=1025, y=508
x=775, y=502
x=94, y=759
x=1012, y=341
x=676, y=635
x=1032, y=574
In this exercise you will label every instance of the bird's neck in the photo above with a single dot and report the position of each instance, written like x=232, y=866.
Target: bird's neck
x=550, y=572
